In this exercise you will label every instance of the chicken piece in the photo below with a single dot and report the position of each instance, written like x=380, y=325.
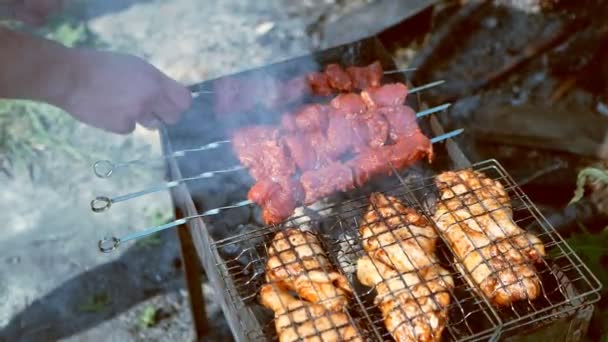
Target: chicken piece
x=338, y=78
x=325, y=181
x=414, y=305
x=319, y=84
x=494, y=254
x=260, y=149
x=402, y=120
x=397, y=235
x=297, y=261
x=367, y=76
x=392, y=94
x=480, y=202
x=297, y=320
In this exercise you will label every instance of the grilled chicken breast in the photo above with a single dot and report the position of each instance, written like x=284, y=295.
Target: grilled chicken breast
x=297, y=260
x=307, y=295
x=397, y=235
x=298, y=320
x=493, y=253
x=412, y=290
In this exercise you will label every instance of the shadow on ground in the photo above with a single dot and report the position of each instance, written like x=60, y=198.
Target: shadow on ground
x=99, y=294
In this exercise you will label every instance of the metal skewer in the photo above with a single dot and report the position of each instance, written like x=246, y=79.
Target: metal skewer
x=105, y=168
x=194, y=88
x=108, y=244
x=103, y=203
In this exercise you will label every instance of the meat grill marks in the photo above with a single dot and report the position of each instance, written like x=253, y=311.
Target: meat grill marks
x=412, y=290
x=494, y=255
x=329, y=148
x=246, y=93
x=297, y=266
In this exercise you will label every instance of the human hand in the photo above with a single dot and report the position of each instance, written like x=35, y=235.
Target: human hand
x=114, y=91
x=34, y=12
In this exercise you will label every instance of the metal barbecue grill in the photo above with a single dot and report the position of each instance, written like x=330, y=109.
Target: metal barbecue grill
x=233, y=247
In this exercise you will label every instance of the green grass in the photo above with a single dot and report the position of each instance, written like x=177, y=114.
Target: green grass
x=147, y=318
x=593, y=248
x=28, y=130
x=155, y=217
x=97, y=303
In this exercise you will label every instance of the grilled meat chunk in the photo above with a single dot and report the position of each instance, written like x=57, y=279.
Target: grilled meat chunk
x=325, y=181
x=297, y=261
x=371, y=128
x=278, y=198
x=367, y=76
x=412, y=290
x=338, y=78
x=348, y=104
x=410, y=149
x=300, y=150
x=387, y=95
x=494, y=254
x=260, y=149
x=319, y=83
x=308, y=118
x=370, y=163
x=340, y=135
x=298, y=320
x=402, y=154
x=401, y=119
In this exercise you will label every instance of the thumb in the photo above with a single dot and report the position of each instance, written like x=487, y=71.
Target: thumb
x=178, y=94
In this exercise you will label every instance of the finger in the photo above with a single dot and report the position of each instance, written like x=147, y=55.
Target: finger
x=43, y=7
x=179, y=96
x=28, y=17
x=150, y=122
x=122, y=126
x=164, y=109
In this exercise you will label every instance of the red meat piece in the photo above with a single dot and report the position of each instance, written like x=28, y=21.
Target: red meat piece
x=392, y=94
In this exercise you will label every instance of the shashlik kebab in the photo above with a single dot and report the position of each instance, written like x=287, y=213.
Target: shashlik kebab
x=492, y=252
x=246, y=93
x=326, y=149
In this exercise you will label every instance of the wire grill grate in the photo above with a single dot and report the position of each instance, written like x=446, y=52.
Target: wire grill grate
x=565, y=282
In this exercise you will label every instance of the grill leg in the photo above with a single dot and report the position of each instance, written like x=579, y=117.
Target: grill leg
x=192, y=272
